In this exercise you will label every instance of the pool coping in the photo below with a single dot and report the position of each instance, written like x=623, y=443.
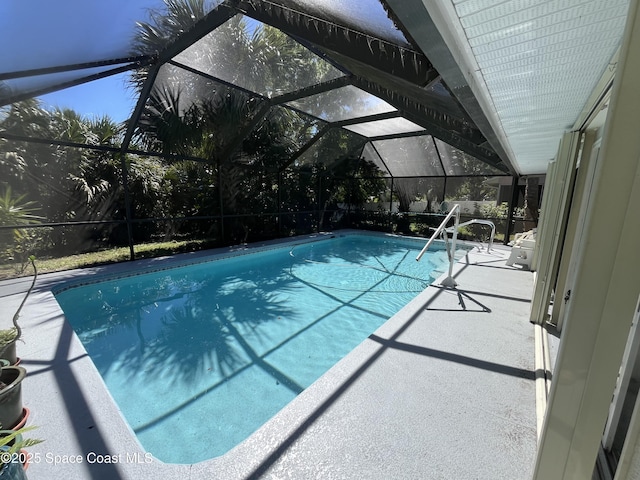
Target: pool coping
x=64, y=370
x=213, y=255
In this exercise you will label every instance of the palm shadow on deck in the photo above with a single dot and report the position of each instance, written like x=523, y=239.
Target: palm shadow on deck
x=438, y=367
x=434, y=393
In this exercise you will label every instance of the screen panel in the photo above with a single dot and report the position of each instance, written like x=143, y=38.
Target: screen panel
x=390, y=126
x=257, y=57
x=342, y=104
x=411, y=156
x=457, y=162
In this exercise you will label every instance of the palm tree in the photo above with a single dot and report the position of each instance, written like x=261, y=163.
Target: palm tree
x=192, y=115
x=15, y=210
x=18, y=243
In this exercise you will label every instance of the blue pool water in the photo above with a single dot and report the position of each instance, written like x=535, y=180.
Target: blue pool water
x=199, y=357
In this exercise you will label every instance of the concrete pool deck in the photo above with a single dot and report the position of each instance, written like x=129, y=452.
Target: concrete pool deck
x=445, y=389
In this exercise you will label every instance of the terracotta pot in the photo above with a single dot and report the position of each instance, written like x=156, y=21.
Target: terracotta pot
x=24, y=454
x=23, y=419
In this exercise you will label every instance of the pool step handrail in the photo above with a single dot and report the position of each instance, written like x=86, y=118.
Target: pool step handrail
x=480, y=221
x=455, y=213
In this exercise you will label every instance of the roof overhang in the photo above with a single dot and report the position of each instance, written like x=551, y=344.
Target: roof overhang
x=524, y=74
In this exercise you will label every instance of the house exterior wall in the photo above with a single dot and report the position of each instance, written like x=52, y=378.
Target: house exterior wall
x=633, y=470
x=605, y=291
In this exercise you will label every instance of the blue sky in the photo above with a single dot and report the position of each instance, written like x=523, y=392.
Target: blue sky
x=44, y=33
x=109, y=96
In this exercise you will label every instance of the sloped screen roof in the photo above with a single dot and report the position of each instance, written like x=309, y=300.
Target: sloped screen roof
x=45, y=34
x=323, y=78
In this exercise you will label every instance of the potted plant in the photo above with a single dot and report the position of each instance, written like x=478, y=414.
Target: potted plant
x=8, y=339
x=11, y=411
x=13, y=456
x=9, y=336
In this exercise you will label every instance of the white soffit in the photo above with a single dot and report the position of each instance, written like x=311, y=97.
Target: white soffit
x=540, y=61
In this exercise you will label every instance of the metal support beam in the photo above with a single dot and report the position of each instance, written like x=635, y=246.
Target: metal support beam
x=307, y=145
x=402, y=62
x=140, y=60
x=71, y=83
x=213, y=78
x=394, y=136
x=382, y=160
x=101, y=148
x=391, y=208
x=368, y=118
x=279, y=217
x=244, y=130
x=444, y=189
x=312, y=90
x=133, y=121
x=444, y=170
x=220, y=199
x=513, y=202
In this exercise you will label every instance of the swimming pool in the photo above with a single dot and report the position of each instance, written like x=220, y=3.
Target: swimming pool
x=198, y=357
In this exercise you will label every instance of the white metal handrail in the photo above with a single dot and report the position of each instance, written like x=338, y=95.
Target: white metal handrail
x=480, y=221
x=455, y=212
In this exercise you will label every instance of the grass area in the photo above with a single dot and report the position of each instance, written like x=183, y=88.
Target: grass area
x=142, y=250
x=103, y=257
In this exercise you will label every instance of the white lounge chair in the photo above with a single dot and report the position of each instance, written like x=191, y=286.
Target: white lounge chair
x=522, y=249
